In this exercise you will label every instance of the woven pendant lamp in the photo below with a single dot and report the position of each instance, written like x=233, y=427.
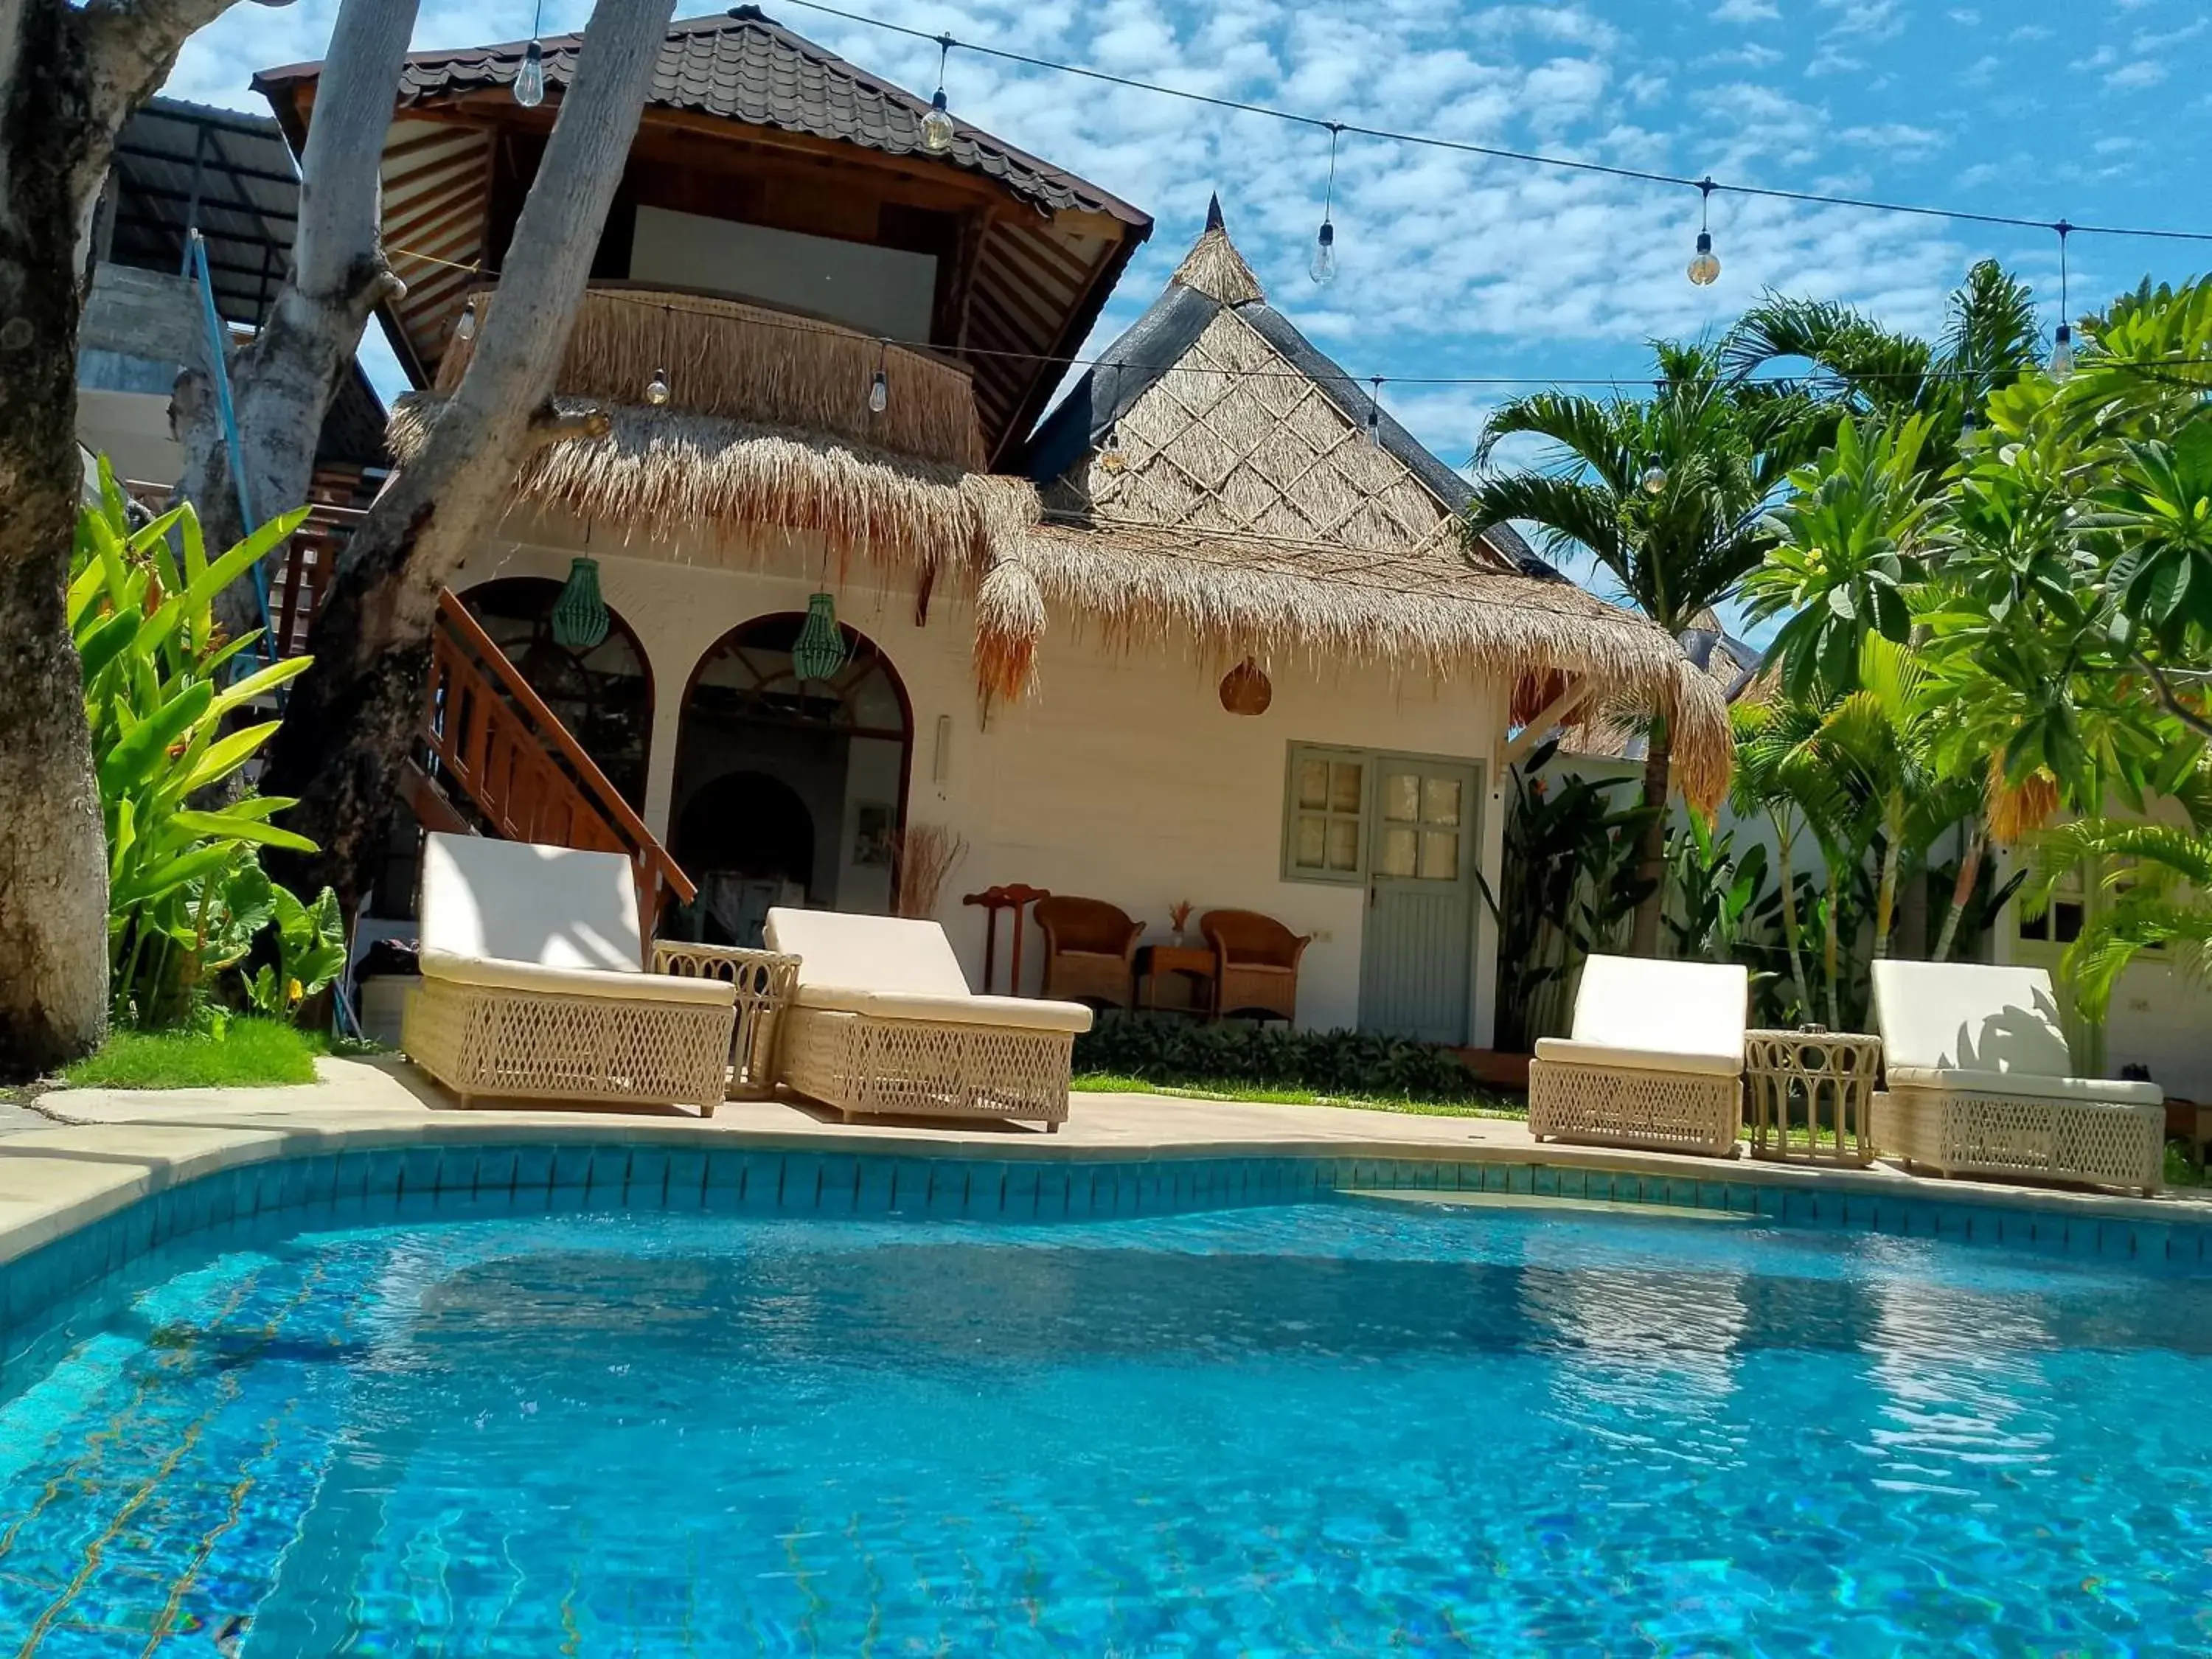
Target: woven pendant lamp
x=819, y=650
x=580, y=615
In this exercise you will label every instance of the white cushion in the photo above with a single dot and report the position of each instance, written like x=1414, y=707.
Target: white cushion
x=1021, y=1013
x=518, y=902
x=1969, y=1016
x=1565, y=1051
x=868, y=953
x=2093, y=1090
x=501, y=974
x=1665, y=1008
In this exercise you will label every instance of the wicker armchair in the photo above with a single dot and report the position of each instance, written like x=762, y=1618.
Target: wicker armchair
x=1255, y=964
x=1090, y=951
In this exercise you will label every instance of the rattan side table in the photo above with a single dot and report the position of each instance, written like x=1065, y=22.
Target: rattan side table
x=766, y=982
x=1812, y=1095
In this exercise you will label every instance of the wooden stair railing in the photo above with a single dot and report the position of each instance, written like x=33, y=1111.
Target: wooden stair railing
x=494, y=738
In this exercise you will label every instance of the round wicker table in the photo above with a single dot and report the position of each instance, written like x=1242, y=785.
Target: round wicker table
x=1812, y=1095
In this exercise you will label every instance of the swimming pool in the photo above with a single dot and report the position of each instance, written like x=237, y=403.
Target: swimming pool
x=1322, y=1427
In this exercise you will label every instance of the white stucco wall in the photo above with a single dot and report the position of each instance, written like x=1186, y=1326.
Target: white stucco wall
x=1121, y=777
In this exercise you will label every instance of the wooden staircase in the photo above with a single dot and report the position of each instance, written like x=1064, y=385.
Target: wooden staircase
x=492, y=741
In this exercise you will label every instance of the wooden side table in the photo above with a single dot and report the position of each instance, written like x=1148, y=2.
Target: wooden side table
x=1812, y=1095
x=1195, y=963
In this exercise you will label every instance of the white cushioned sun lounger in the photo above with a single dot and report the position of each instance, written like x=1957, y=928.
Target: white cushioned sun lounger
x=1980, y=1082
x=883, y=1023
x=1655, y=1059
x=534, y=986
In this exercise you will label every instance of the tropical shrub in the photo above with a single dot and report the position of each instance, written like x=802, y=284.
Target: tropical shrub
x=186, y=897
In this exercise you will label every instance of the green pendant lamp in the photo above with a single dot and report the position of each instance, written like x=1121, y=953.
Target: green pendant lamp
x=580, y=615
x=819, y=650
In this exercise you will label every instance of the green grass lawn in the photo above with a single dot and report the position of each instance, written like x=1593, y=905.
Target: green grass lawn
x=1484, y=1105
x=249, y=1054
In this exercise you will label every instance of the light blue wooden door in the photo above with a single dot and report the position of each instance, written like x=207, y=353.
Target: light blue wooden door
x=1416, y=946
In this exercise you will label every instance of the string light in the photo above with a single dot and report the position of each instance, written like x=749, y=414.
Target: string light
x=937, y=129
x=1322, y=270
x=2062, y=346
x=465, y=328
x=1375, y=413
x=530, y=79
x=879, y=388
x=656, y=389
x=1654, y=479
x=1916, y=377
x=1566, y=163
x=1111, y=456
x=1704, y=264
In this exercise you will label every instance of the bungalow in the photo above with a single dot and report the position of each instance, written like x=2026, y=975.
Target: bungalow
x=837, y=598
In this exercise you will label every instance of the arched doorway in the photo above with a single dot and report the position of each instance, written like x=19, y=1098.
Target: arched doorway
x=788, y=791
x=604, y=696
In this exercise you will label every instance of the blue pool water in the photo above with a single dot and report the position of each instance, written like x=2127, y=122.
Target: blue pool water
x=1338, y=1427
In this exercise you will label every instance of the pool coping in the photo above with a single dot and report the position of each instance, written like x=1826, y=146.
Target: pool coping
x=56, y=1181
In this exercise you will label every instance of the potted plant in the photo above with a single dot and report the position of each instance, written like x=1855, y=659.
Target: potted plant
x=1178, y=919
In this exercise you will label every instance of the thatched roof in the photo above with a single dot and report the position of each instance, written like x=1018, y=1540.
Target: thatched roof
x=1617, y=729
x=714, y=482
x=1217, y=477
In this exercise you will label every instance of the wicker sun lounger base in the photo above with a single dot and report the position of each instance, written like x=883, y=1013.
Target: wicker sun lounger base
x=1616, y=1106
x=868, y=1067
x=1958, y=1133
x=495, y=1043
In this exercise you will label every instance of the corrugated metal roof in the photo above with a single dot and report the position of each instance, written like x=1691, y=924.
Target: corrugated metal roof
x=744, y=66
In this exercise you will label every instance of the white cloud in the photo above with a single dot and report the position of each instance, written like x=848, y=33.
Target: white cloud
x=2130, y=78
x=1895, y=138
x=1746, y=11
x=1864, y=19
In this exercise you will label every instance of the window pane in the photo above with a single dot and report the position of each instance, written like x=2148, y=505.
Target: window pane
x=1402, y=797
x=1439, y=855
x=1312, y=842
x=1343, y=843
x=1313, y=784
x=1344, y=786
x=1440, y=801
x=1396, y=855
x=2065, y=922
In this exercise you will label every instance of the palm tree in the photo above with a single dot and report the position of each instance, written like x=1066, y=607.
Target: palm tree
x=2160, y=878
x=1990, y=338
x=1669, y=493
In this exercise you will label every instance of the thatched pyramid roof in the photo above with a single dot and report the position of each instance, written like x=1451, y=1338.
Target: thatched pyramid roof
x=1217, y=477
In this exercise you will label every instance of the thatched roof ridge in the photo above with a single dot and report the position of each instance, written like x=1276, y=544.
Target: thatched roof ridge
x=665, y=476
x=1203, y=288
x=1323, y=605
x=1214, y=268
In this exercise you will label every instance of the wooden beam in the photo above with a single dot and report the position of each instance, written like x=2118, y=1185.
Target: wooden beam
x=1551, y=716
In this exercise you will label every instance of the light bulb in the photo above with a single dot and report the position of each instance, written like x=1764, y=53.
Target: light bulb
x=879, y=393
x=656, y=389
x=1704, y=264
x=530, y=79
x=466, y=328
x=1654, y=479
x=1322, y=268
x=1970, y=429
x=2062, y=353
x=1110, y=458
x=937, y=126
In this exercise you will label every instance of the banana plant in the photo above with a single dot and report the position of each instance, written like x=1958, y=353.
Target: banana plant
x=155, y=663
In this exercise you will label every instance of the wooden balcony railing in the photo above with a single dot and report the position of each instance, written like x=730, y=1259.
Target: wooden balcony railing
x=493, y=739
x=300, y=576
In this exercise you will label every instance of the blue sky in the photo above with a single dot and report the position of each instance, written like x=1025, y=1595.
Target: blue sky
x=1454, y=265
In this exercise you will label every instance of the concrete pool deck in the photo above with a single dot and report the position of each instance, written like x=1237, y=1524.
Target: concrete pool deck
x=104, y=1148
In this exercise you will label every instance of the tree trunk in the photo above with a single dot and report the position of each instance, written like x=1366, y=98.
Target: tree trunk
x=352, y=715
x=1651, y=852
x=69, y=78
x=1885, y=896
x=1791, y=932
x=1832, y=951
x=1962, y=890
x=283, y=380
